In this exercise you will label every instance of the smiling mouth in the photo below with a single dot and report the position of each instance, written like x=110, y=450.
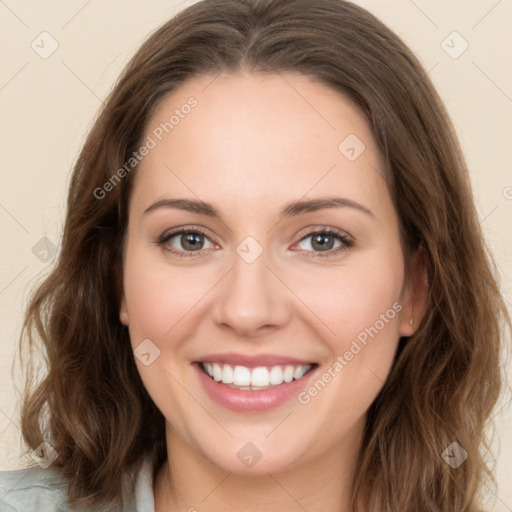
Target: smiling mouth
x=254, y=379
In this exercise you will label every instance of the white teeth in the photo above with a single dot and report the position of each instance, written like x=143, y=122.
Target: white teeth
x=288, y=373
x=209, y=369
x=260, y=377
x=299, y=372
x=255, y=378
x=276, y=375
x=242, y=376
x=217, y=372
x=227, y=374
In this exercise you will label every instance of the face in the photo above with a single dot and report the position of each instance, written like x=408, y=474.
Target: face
x=233, y=266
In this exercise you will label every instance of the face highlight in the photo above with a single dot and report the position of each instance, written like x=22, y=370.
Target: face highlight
x=262, y=233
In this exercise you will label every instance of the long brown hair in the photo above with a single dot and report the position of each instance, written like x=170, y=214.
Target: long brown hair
x=445, y=380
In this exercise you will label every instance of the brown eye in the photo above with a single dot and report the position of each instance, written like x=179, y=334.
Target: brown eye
x=322, y=242
x=327, y=241
x=184, y=242
x=190, y=241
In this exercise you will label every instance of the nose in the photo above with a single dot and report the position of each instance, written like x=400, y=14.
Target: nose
x=252, y=301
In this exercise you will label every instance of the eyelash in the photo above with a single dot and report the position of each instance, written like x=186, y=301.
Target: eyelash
x=346, y=242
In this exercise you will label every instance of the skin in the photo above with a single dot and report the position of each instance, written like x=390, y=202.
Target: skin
x=253, y=144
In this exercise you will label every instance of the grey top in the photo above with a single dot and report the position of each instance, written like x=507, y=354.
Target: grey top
x=43, y=490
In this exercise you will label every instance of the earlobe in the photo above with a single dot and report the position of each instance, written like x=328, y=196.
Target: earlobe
x=123, y=312
x=416, y=294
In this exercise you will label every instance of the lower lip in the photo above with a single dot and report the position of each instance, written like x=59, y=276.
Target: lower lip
x=252, y=401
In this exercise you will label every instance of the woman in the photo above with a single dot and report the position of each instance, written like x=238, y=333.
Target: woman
x=333, y=345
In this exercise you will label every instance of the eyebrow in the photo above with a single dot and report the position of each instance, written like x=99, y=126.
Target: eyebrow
x=292, y=209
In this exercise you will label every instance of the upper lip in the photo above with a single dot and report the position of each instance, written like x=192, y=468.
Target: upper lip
x=252, y=361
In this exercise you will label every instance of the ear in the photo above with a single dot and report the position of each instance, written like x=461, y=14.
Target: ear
x=415, y=293
x=123, y=310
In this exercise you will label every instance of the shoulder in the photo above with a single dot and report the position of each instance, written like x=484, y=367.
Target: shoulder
x=32, y=488
x=45, y=490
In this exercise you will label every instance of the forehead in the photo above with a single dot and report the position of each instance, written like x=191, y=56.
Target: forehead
x=259, y=138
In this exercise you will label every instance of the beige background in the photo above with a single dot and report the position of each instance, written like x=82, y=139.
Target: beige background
x=48, y=105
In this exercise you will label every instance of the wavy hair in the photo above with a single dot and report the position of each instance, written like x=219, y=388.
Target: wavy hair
x=445, y=380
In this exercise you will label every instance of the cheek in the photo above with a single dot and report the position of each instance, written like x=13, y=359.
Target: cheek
x=158, y=296
x=351, y=299
x=159, y=300
x=361, y=307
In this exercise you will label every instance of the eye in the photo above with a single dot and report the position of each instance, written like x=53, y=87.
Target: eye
x=322, y=243
x=188, y=241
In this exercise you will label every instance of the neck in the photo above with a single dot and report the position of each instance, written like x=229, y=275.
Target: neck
x=188, y=481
